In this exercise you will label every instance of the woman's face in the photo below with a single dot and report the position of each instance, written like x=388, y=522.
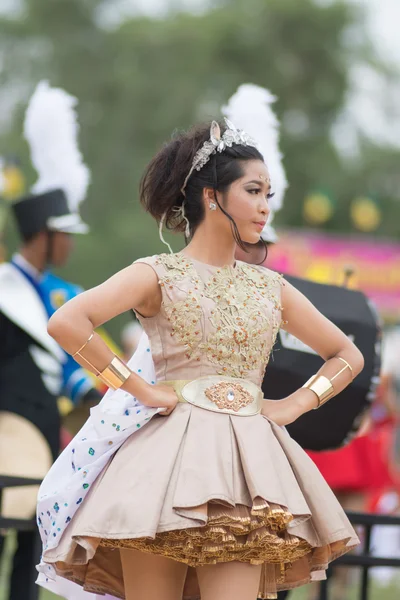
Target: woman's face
x=247, y=200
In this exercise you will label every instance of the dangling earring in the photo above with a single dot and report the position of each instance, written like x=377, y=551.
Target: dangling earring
x=212, y=206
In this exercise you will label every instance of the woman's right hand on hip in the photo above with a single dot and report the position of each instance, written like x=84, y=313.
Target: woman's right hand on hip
x=161, y=396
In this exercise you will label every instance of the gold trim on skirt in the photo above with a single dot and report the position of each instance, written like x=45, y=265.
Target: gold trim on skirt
x=253, y=535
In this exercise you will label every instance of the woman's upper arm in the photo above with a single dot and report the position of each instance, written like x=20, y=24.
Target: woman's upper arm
x=306, y=323
x=135, y=287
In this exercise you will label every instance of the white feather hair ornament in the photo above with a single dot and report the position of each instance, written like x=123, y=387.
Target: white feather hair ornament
x=250, y=109
x=51, y=130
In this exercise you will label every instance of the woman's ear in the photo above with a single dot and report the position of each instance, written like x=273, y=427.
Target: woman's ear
x=208, y=195
x=209, y=199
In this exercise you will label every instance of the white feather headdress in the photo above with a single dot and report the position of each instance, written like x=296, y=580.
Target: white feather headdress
x=51, y=130
x=250, y=109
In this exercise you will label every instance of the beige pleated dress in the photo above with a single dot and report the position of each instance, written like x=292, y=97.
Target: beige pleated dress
x=212, y=482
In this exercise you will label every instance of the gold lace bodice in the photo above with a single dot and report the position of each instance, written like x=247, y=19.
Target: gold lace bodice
x=213, y=320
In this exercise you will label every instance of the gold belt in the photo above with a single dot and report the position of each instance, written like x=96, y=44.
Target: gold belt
x=228, y=395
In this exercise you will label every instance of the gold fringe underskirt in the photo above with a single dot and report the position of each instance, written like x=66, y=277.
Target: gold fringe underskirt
x=256, y=536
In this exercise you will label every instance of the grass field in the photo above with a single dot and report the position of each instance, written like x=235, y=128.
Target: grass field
x=377, y=593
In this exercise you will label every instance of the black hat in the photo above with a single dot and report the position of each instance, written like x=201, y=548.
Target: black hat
x=48, y=211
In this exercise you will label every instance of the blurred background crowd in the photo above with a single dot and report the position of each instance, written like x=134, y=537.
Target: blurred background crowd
x=144, y=68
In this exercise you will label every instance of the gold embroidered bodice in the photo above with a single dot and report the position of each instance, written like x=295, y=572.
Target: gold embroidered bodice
x=213, y=320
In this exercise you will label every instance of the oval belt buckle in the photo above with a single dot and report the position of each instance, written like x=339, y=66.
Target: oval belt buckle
x=224, y=395
x=231, y=396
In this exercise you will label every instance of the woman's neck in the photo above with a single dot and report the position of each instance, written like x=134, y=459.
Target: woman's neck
x=208, y=247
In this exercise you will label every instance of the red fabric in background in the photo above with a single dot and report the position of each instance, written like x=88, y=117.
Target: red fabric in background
x=361, y=466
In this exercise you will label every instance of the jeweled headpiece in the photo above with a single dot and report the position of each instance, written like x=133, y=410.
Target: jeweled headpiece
x=218, y=143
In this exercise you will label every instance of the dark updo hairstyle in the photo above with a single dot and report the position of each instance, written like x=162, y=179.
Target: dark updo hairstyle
x=160, y=187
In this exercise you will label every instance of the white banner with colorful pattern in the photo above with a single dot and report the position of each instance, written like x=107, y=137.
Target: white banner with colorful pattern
x=65, y=486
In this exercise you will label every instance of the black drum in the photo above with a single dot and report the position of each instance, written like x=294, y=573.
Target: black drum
x=292, y=364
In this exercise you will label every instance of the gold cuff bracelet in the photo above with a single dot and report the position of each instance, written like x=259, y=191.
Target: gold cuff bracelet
x=115, y=375
x=322, y=387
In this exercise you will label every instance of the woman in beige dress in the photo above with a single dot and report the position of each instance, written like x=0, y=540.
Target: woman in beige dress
x=216, y=482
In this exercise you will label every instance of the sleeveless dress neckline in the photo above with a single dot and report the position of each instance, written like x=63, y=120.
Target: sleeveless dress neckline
x=204, y=264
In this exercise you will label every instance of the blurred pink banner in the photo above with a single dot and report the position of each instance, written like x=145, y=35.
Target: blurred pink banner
x=324, y=258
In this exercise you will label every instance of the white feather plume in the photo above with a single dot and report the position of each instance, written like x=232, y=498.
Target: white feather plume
x=250, y=109
x=51, y=130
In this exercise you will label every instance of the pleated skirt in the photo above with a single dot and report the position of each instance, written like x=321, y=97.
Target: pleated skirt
x=202, y=488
